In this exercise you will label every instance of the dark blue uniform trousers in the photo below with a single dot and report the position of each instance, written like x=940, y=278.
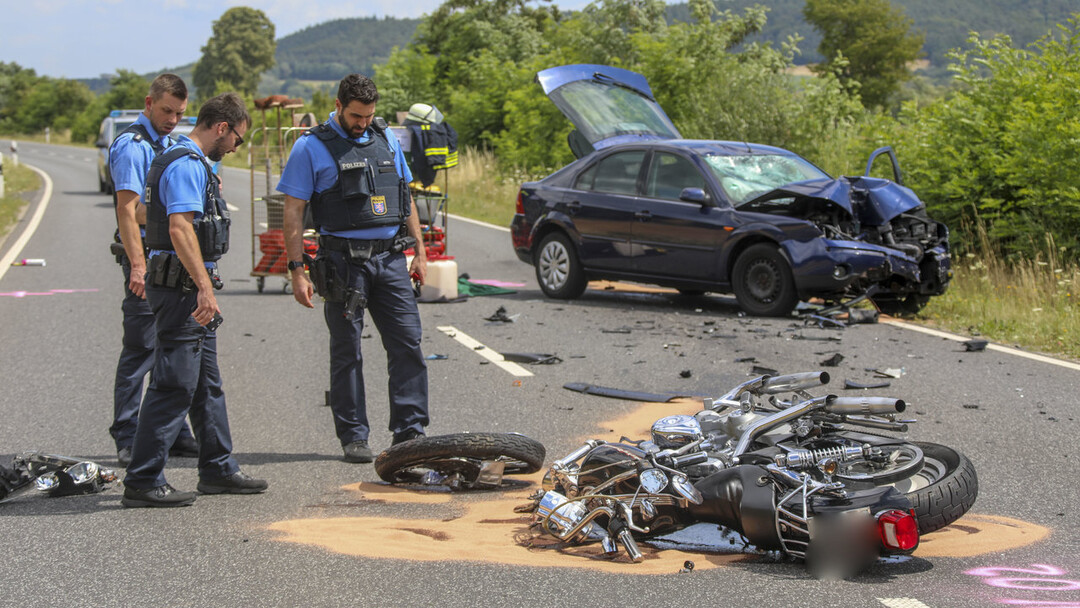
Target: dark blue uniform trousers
x=392, y=305
x=185, y=379
x=136, y=359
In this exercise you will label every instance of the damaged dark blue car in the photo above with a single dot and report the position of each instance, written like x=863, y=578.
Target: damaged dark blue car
x=642, y=204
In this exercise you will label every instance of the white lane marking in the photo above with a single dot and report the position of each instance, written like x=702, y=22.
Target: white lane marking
x=478, y=222
x=467, y=341
x=991, y=346
x=16, y=249
x=902, y=602
x=232, y=207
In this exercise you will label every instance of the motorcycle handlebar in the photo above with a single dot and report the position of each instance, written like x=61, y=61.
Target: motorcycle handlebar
x=865, y=405
x=794, y=382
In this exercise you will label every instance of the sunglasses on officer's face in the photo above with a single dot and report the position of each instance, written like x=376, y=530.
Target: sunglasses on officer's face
x=239, y=140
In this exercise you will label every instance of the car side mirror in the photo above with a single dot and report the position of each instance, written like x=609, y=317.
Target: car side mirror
x=695, y=195
x=101, y=143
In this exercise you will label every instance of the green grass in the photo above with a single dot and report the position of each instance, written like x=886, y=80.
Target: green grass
x=1031, y=304
x=17, y=180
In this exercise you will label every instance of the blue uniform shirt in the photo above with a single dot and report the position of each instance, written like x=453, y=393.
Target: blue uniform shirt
x=311, y=169
x=129, y=162
x=182, y=186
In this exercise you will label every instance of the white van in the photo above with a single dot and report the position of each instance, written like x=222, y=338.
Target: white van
x=113, y=125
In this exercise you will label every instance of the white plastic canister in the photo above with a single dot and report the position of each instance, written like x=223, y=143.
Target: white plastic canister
x=442, y=280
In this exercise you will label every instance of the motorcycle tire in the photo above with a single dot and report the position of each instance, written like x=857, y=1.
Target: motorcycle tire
x=459, y=452
x=943, y=489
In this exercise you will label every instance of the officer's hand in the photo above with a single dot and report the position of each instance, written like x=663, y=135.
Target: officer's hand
x=137, y=284
x=302, y=288
x=418, y=269
x=206, y=306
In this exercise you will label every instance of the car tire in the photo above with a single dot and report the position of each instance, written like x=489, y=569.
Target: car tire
x=558, y=270
x=102, y=188
x=763, y=282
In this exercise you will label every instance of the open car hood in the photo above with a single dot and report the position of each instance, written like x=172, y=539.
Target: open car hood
x=869, y=200
x=607, y=105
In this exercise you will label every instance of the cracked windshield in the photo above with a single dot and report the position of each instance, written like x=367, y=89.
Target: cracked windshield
x=746, y=177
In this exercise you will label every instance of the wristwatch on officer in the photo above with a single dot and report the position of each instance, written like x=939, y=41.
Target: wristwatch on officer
x=294, y=265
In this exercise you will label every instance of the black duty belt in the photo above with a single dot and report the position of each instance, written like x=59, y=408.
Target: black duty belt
x=354, y=246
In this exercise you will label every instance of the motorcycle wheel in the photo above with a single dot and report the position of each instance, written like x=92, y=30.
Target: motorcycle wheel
x=459, y=453
x=939, y=481
x=943, y=489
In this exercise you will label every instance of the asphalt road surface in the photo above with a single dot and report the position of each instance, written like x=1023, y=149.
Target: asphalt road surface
x=326, y=534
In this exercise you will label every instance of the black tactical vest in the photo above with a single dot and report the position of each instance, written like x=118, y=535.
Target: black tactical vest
x=368, y=192
x=141, y=134
x=212, y=228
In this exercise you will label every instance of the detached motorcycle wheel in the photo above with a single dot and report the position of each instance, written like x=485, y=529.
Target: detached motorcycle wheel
x=459, y=453
x=943, y=489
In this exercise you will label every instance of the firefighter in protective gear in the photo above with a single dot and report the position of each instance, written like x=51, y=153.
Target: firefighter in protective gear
x=432, y=140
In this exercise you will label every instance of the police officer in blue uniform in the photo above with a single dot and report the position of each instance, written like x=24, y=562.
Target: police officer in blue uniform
x=187, y=231
x=129, y=161
x=352, y=171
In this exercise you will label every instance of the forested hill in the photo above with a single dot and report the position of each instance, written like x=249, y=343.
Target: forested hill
x=945, y=22
x=329, y=50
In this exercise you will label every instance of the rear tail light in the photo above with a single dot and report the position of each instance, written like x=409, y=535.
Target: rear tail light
x=520, y=208
x=898, y=530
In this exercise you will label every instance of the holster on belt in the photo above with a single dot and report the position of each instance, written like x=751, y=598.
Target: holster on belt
x=118, y=251
x=166, y=270
x=324, y=277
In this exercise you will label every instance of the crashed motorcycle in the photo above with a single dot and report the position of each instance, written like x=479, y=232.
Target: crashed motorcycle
x=788, y=474
x=52, y=475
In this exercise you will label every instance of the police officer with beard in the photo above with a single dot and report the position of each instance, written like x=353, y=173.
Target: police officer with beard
x=352, y=171
x=187, y=231
x=129, y=161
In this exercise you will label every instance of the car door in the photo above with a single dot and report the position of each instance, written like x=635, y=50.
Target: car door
x=672, y=237
x=601, y=206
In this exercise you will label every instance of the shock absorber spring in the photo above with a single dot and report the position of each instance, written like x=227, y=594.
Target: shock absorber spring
x=802, y=459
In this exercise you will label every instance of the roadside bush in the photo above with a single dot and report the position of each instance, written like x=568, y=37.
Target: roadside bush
x=1004, y=151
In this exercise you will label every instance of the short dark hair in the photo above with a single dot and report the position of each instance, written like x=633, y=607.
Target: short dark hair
x=168, y=83
x=357, y=87
x=227, y=107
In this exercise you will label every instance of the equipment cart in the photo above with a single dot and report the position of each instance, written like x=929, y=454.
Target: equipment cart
x=267, y=154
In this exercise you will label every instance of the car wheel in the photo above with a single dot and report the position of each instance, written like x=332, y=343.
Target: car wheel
x=900, y=306
x=763, y=282
x=557, y=268
x=102, y=188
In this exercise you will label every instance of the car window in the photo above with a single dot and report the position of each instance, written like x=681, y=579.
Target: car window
x=601, y=110
x=585, y=180
x=669, y=174
x=618, y=173
x=118, y=127
x=745, y=177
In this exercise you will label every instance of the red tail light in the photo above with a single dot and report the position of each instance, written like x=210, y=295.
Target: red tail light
x=520, y=208
x=898, y=530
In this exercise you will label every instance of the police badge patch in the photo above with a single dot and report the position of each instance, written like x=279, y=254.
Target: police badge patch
x=378, y=205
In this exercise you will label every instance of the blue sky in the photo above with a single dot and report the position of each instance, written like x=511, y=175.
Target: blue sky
x=87, y=38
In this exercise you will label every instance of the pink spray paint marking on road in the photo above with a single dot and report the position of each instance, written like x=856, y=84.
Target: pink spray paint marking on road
x=51, y=292
x=1035, y=577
